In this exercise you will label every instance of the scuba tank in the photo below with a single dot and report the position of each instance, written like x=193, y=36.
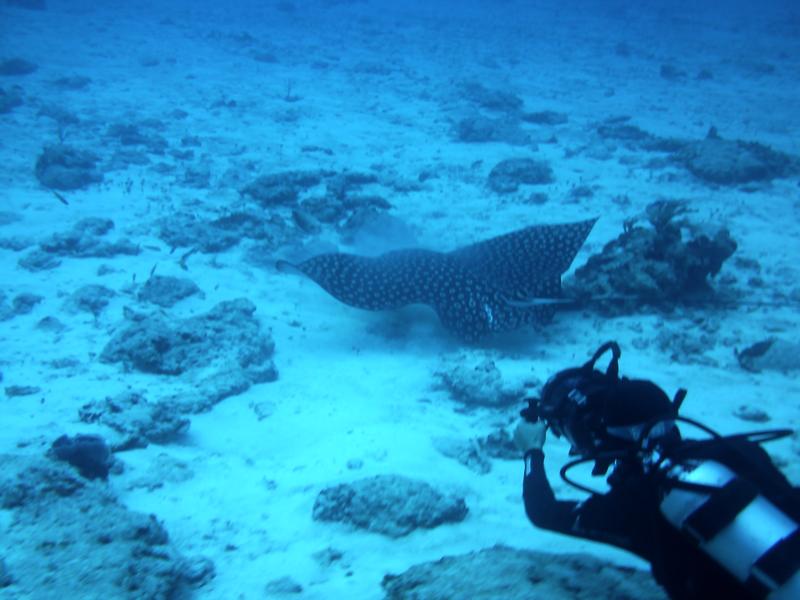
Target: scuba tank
x=734, y=524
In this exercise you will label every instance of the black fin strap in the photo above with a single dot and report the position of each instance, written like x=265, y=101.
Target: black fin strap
x=778, y=564
x=720, y=509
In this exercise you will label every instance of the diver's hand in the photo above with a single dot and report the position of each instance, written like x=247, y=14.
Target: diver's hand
x=530, y=436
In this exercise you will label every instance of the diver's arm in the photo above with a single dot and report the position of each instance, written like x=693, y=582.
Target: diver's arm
x=613, y=518
x=617, y=519
x=541, y=505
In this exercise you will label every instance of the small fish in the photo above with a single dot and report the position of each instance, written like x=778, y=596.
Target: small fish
x=60, y=197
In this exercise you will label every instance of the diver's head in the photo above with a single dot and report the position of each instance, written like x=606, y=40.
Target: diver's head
x=635, y=413
x=599, y=412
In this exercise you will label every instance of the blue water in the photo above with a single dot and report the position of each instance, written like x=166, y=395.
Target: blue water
x=205, y=141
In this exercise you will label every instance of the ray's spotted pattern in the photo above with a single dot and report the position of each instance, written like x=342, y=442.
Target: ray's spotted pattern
x=499, y=284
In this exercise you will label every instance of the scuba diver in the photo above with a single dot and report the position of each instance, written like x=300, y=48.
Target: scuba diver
x=714, y=517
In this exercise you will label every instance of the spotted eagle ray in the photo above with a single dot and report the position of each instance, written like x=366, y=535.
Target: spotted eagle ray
x=499, y=284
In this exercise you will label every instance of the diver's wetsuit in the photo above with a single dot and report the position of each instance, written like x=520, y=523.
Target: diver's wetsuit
x=628, y=516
